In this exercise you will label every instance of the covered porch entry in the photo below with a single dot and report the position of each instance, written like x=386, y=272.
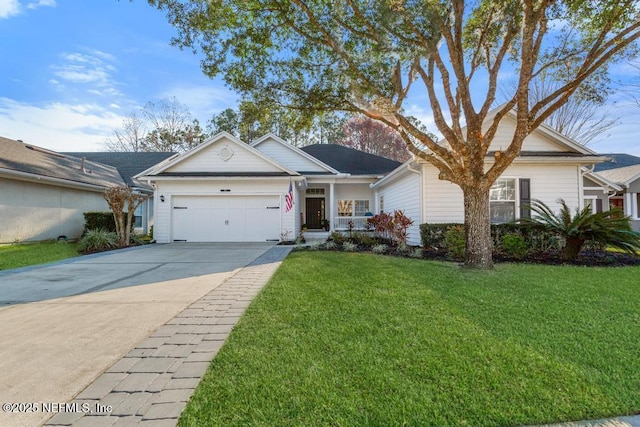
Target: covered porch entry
x=333, y=206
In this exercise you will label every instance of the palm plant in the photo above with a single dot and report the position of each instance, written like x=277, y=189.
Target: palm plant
x=607, y=228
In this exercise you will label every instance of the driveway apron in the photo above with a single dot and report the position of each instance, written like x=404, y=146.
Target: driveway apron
x=63, y=325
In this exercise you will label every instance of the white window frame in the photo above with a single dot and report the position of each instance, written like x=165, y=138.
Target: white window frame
x=353, y=207
x=516, y=204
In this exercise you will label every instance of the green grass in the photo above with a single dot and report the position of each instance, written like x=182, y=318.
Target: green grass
x=354, y=339
x=23, y=255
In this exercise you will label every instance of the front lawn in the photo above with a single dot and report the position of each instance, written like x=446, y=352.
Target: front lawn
x=358, y=339
x=23, y=255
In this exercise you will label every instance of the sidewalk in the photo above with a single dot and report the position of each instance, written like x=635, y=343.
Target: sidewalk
x=153, y=382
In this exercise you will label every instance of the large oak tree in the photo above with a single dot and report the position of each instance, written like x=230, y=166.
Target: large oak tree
x=369, y=56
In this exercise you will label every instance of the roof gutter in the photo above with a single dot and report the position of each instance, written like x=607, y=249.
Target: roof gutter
x=25, y=176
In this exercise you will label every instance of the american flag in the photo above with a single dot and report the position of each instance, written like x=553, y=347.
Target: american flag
x=288, y=199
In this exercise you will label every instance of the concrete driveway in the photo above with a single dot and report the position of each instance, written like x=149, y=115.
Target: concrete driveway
x=62, y=325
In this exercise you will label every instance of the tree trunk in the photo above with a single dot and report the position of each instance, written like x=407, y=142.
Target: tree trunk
x=121, y=229
x=477, y=228
x=572, y=248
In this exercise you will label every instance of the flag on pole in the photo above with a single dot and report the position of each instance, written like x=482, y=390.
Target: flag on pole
x=288, y=199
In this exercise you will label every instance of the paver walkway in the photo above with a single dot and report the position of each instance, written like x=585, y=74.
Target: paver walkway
x=153, y=382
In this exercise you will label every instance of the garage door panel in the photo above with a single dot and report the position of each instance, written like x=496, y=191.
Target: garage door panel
x=226, y=218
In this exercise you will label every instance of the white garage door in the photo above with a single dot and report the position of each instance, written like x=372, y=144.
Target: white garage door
x=226, y=218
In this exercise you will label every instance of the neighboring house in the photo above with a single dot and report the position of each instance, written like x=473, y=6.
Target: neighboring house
x=617, y=160
x=130, y=164
x=625, y=182
x=43, y=194
x=599, y=193
x=226, y=190
x=548, y=168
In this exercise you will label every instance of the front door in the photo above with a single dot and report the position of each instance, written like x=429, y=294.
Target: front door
x=315, y=213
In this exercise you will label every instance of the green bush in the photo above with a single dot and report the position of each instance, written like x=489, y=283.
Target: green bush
x=99, y=221
x=365, y=240
x=98, y=240
x=338, y=237
x=454, y=241
x=514, y=245
x=432, y=235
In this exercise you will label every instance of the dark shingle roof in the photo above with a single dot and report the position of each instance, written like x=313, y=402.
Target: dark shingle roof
x=30, y=159
x=618, y=160
x=129, y=164
x=348, y=160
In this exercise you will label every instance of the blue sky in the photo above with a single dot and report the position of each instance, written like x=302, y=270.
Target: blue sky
x=72, y=69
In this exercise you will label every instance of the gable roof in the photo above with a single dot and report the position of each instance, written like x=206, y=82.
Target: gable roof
x=164, y=169
x=295, y=150
x=617, y=160
x=601, y=180
x=623, y=176
x=36, y=163
x=129, y=164
x=351, y=161
x=547, y=130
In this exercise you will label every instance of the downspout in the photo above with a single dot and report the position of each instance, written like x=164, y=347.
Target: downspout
x=423, y=210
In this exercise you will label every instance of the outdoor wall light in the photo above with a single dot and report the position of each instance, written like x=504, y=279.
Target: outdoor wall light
x=162, y=198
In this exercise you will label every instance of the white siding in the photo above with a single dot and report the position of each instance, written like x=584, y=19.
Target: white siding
x=168, y=189
x=31, y=211
x=534, y=142
x=212, y=159
x=404, y=195
x=288, y=157
x=351, y=192
x=444, y=200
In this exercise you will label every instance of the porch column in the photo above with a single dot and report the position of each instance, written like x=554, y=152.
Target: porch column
x=634, y=205
x=331, y=206
x=628, y=206
x=376, y=202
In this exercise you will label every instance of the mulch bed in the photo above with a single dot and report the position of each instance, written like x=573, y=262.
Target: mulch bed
x=587, y=258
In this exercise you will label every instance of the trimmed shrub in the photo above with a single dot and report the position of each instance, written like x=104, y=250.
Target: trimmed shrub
x=514, y=245
x=454, y=241
x=432, y=235
x=98, y=240
x=364, y=239
x=99, y=221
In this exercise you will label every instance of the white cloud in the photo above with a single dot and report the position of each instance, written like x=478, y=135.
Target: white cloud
x=58, y=126
x=9, y=8
x=41, y=3
x=94, y=70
